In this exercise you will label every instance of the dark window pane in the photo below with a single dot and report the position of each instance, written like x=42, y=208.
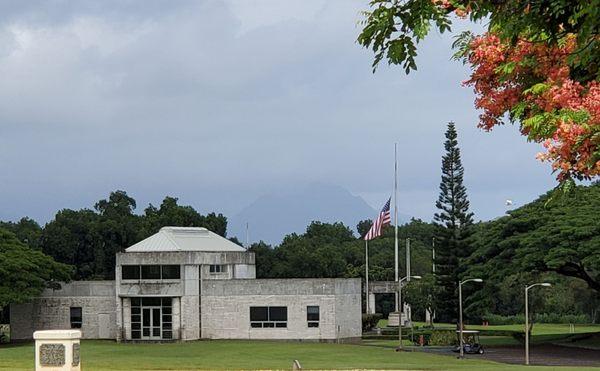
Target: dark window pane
x=155, y=332
x=146, y=317
x=151, y=302
x=313, y=324
x=277, y=313
x=135, y=302
x=135, y=335
x=281, y=324
x=156, y=317
x=312, y=313
x=259, y=314
x=76, y=317
x=170, y=272
x=146, y=331
x=151, y=272
x=136, y=318
x=167, y=335
x=136, y=326
x=268, y=324
x=130, y=272
x=166, y=302
x=166, y=310
x=136, y=310
x=256, y=324
x=167, y=326
x=167, y=318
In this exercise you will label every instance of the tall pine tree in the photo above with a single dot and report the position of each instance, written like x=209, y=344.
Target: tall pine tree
x=453, y=224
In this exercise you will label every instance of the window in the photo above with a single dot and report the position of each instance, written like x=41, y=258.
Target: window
x=130, y=272
x=151, y=272
x=218, y=268
x=170, y=272
x=167, y=319
x=76, y=317
x=266, y=317
x=312, y=315
x=136, y=318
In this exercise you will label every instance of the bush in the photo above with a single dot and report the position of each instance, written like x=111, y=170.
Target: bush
x=495, y=319
x=370, y=320
x=442, y=337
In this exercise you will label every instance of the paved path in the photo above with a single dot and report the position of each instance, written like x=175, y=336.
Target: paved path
x=543, y=355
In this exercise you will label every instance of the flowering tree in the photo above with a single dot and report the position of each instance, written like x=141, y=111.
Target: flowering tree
x=538, y=64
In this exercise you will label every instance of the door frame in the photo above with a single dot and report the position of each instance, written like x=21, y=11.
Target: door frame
x=151, y=310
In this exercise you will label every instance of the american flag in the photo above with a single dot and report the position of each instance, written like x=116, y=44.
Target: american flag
x=382, y=220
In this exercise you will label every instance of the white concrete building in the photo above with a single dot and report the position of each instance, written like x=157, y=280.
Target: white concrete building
x=190, y=284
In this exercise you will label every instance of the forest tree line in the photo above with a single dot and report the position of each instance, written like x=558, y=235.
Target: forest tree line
x=554, y=241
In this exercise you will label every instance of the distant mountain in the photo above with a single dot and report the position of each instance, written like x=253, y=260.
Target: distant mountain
x=275, y=215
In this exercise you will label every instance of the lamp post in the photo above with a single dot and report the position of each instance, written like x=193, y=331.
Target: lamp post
x=544, y=284
x=407, y=278
x=460, y=322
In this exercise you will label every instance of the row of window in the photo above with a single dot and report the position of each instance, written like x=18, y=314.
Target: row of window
x=152, y=317
x=273, y=317
x=217, y=268
x=150, y=272
x=157, y=272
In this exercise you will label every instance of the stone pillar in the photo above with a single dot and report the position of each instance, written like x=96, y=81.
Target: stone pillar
x=57, y=350
x=371, y=303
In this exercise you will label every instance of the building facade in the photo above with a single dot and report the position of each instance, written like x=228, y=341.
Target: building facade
x=190, y=284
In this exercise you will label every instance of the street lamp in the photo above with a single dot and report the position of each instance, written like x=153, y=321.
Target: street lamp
x=544, y=284
x=460, y=324
x=400, y=308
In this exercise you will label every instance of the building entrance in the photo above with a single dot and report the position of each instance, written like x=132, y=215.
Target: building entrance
x=151, y=318
x=151, y=323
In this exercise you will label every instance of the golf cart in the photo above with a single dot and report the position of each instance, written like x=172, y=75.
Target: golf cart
x=471, y=343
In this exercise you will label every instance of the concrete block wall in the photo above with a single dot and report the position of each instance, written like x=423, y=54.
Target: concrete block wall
x=226, y=308
x=51, y=310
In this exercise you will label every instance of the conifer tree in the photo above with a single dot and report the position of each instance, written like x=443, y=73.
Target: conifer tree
x=453, y=223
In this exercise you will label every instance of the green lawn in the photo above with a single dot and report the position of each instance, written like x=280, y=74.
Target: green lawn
x=223, y=354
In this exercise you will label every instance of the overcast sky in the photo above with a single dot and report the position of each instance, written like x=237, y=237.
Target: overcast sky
x=220, y=102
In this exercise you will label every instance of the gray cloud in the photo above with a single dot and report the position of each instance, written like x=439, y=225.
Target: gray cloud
x=221, y=102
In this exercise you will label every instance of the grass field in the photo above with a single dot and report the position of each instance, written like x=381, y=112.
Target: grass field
x=223, y=354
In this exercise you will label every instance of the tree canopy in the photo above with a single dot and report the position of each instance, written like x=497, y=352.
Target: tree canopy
x=560, y=237
x=453, y=221
x=538, y=64
x=25, y=272
x=89, y=239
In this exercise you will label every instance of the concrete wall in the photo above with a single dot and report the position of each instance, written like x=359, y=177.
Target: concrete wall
x=226, y=308
x=51, y=310
x=186, y=257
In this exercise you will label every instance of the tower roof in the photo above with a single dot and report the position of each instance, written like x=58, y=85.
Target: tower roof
x=184, y=239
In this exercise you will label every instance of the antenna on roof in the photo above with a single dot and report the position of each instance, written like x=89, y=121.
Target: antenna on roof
x=247, y=239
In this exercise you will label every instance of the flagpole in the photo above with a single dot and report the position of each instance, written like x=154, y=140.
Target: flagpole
x=367, y=276
x=396, y=219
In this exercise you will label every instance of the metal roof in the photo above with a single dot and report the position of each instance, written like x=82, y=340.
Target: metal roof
x=184, y=239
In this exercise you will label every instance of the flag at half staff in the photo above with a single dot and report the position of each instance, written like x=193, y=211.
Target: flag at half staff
x=382, y=220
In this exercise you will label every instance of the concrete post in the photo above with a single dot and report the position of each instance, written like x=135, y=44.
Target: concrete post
x=57, y=350
x=372, y=303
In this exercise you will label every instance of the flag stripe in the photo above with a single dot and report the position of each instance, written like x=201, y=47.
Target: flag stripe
x=382, y=220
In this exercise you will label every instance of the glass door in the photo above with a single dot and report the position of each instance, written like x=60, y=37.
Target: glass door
x=151, y=323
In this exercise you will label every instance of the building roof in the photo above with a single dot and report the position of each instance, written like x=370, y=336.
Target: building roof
x=184, y=239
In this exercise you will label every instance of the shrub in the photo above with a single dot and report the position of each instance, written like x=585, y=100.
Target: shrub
x=370, y=320
x=496, y=319
x=442, y=337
